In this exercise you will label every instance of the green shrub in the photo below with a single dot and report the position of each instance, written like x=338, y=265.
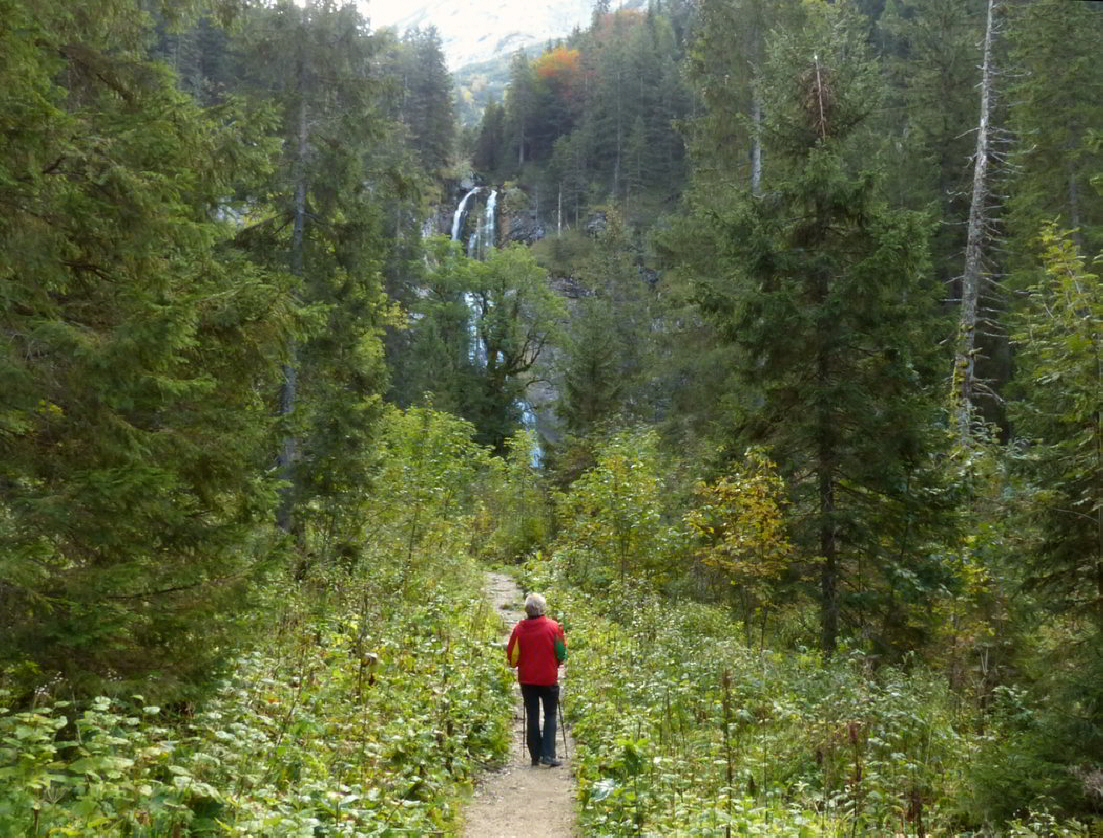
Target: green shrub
x=378, y=691
x=682, y=730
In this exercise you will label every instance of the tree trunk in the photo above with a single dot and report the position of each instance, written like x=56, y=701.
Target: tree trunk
x=289, y=390
x=559, y=214
x=829, y=546
x=972, y=280
x=756, y=144
x=825, y=473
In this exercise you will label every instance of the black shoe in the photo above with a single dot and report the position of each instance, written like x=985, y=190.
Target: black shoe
x=535, y=763
x=551, y=762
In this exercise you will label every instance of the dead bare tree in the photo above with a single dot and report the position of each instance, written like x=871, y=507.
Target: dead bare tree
x=975, y=277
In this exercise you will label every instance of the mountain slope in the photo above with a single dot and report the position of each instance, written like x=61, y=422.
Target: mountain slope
x=480, y=30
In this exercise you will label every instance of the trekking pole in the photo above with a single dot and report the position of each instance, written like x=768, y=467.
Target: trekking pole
x=524, y=730
x=563, y=727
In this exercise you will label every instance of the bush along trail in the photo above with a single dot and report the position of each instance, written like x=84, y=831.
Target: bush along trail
x=330, y=730
x=374, y=691
x=516, y=799
x=682, y=730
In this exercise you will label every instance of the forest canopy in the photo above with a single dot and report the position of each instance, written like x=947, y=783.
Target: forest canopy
x=765, y=335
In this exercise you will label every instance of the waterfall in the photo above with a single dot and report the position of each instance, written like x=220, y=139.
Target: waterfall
x=487, y=230
x=477, y=244
x=461, y=210
x=528, y=422
x=483, y=236
x=488, y=218
x=476, y=351
x=482, y=241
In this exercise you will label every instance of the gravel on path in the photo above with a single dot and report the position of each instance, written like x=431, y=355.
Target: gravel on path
x=517, y=800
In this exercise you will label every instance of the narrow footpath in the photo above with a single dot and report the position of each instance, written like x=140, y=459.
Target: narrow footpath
x=517, y=800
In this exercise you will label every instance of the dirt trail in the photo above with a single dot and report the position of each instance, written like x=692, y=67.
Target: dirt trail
x=517, y=800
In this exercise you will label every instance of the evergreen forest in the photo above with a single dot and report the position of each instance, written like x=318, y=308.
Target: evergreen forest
x=764, y=337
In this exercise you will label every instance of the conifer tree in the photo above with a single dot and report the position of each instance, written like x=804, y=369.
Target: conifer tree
x=726, y=62
x=933, y=68
x=425, y=103
x=521, y=107
x=490, y=153
x=436, y=363
x=316, y=64
x=1060, y=415
x=826, y=297
x=614, y=104
x=592, y=391
x=140, y=347
x=1056, y=113
x=606, y=357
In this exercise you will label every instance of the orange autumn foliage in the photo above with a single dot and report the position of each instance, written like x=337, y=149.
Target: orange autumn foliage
x=559, y=67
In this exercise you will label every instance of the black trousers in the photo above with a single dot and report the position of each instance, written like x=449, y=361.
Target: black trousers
x=541, y=742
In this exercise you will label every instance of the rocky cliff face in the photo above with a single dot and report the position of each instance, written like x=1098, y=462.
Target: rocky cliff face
x=479, y=30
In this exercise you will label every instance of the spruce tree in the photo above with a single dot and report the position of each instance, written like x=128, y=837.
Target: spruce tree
x=932, y=64
x=1056, y=114
x=826, y=297
x=140, y=346
x=1059, y=415
x=490, y=151
x=607, y=352
x=425, y=102
x=726, y=63
x=521, y=109
x=324, y=226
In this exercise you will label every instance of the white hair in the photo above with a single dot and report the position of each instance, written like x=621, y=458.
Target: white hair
x=535, y=605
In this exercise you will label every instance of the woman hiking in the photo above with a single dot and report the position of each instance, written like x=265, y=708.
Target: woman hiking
x=536, y=648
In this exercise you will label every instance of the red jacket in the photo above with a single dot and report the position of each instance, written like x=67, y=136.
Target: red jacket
x=537, y=647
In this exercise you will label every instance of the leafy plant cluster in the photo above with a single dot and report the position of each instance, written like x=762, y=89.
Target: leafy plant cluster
x=377, y=693
x=302, y=737
x=687, y=726
x=682, y=730
x=634, y=517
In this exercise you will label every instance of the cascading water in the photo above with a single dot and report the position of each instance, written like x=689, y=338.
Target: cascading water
x=528, y=422
x=476, y=350
x=481, y=239
x=461, y=211
x=485, y=233
x=476, y=353
x=481, y=242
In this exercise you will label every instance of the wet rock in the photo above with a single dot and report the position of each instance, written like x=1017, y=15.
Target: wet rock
x=522, y=227
x=569, y=287
x=597, y=223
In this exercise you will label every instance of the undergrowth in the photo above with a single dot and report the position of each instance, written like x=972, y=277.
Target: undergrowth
x=378, y=689
x=324, y=731
x=682, y=730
